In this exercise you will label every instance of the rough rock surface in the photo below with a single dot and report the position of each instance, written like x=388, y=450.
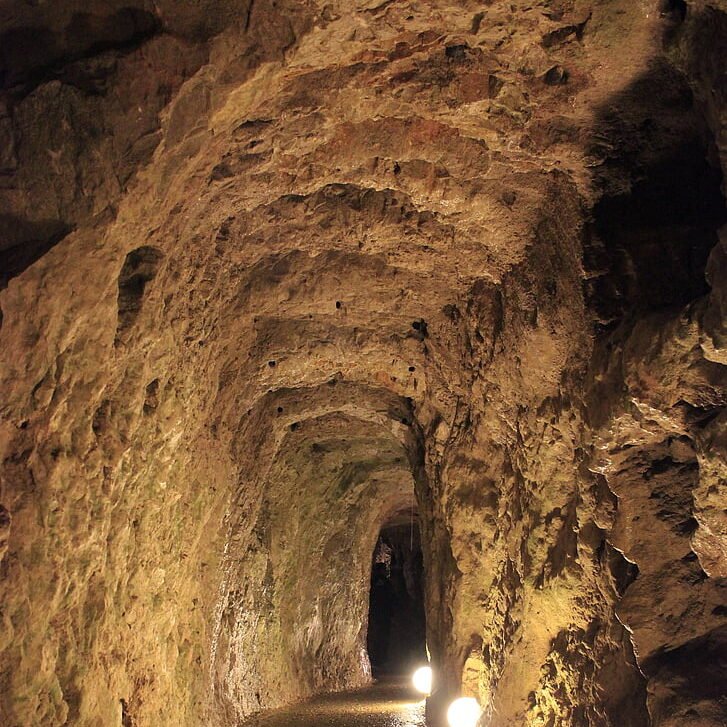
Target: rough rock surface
x=272, y=269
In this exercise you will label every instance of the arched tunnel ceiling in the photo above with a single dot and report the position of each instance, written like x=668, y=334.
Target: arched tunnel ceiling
x=275, y=274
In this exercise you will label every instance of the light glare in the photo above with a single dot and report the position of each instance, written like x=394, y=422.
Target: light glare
x=463, y=712
x=422, y=680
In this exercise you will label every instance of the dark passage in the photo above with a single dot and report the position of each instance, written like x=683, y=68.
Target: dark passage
x=396, y=633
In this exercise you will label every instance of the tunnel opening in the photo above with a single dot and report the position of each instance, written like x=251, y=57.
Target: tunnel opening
x=396, y=636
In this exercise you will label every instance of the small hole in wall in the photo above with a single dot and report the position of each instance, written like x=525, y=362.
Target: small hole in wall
x=456, y=52
x=338, y=304
x=687, y=527
x=556, y=76
x=280, y=410
x=139, y=268
x=151, y=399
x=412, y=368
x=272, y=364
x=509, y=197
x=294, y=426
x=99, y=423
x=126, y=719
x=420, y=327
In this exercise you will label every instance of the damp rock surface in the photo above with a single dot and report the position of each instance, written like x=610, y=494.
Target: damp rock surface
x=388, y=703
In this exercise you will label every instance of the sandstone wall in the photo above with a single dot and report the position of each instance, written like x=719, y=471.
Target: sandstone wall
x=272, y=271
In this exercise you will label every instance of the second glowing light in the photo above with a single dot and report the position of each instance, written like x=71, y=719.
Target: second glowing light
x=422, y=680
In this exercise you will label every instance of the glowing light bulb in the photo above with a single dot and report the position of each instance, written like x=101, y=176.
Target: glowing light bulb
x=422, y=680
x=463, y=712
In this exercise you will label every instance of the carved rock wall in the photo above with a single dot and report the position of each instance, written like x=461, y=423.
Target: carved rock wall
x=272, y=271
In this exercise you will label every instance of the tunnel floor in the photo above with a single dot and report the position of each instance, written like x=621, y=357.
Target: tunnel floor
x=387, y=703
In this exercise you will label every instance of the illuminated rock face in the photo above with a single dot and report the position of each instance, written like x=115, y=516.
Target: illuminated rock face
x=270, y=269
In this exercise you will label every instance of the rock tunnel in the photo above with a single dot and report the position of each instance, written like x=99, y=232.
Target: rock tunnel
x=277, y=275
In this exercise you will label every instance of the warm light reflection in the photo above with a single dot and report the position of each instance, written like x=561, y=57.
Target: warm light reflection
x=422, y=680
x=463, y=712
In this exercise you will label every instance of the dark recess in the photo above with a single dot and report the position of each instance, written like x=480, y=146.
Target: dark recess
x=661, y=203
x=140, y=267
x=31, y=55
x=24, y=242
x=396, y=629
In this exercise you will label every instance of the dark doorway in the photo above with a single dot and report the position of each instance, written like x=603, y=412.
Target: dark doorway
x=397, y=630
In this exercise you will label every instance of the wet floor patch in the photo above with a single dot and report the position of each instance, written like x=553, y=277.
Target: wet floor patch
x=387, y=703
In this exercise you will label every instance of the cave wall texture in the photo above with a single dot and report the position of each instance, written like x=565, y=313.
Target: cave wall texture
x=269, y=269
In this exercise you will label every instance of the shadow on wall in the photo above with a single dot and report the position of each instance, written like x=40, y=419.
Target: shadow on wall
x=23, y=242
x=656, y=165
x=657, y=169
x=699, y=667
